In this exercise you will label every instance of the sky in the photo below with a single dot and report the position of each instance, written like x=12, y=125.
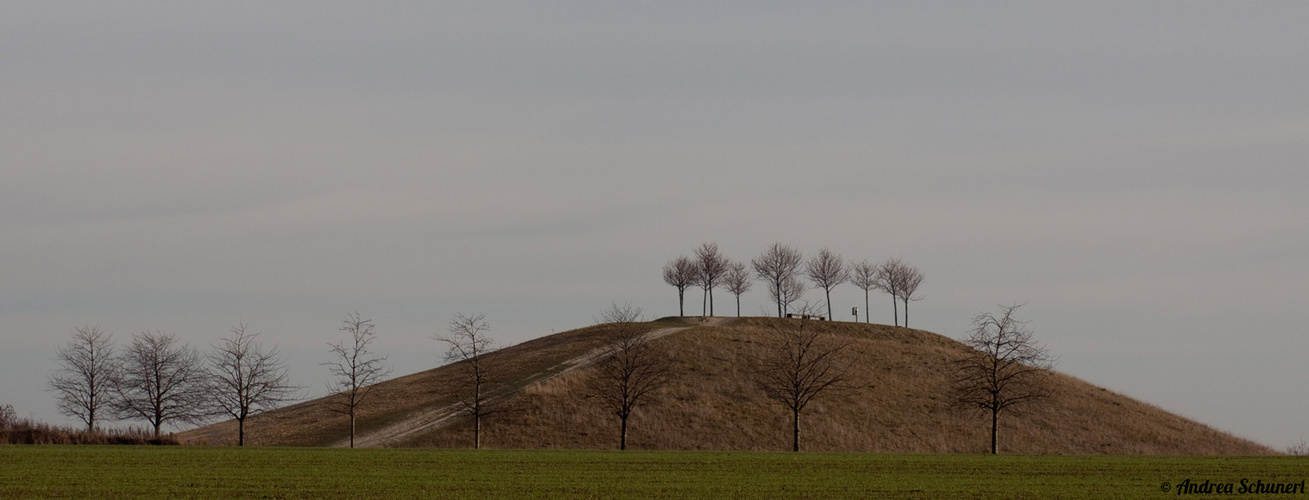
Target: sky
x=1133, y=172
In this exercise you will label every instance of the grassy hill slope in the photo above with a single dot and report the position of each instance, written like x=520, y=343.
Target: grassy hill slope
x=901, y=405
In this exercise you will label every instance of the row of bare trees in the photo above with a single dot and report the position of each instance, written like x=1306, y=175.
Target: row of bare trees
x=158, y=379
x=782, y=267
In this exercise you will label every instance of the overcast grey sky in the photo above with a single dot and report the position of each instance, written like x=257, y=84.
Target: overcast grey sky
x=1134, y=171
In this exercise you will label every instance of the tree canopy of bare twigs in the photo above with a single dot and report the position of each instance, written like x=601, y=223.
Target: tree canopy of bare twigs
x=681, y=274
x=468, y=345
x=162, y=380
x=801, y=362
x=738, y=281
x=355, y=368
x=1008, y=369
x=827, y=270
x=83, y=382
x=778, y=266
x=711, y=267
x=246, y=378
x=864, y=276
x=630, y=369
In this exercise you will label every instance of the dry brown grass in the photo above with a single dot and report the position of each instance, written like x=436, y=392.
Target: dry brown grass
x=901, y=405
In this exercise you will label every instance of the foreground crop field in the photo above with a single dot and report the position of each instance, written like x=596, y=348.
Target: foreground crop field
x=198, y=472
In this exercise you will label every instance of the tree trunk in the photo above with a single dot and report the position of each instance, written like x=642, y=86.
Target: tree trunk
x=795, y=430
x=906, y=313
x=352, y=428
x=868, y=313
x=622, y=441
x=828, y=291
x=711, y=302
x=240, y=431
x=995, y=418
x=477, y=432
x=779, y=301
x=895, y=311
x=738, y=306
x=681, y=302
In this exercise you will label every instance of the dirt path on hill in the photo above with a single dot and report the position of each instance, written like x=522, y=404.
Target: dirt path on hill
x=428, y=419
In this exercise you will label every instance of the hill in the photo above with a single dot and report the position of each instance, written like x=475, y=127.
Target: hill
x=901, y=405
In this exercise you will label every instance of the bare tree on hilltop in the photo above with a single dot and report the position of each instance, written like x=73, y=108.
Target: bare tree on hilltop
x=910, y=279
x=468, y=345
x=888, y=276
x=630, y=369
x=827, y=270
x=711, y=267
x=801, y=362
x=778, y=266
x=356, y=369
x=901, y=281
x=681, y=274
x=247, y=379
x=84, y=380
x=1006, y=370
x=864, y=276
x=162, y=380
x=738, y=281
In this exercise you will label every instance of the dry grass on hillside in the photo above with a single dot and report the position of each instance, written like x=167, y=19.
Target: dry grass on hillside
x=900, y=404
x=312, y=423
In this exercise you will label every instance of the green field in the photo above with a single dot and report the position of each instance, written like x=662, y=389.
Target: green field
x=199, y=472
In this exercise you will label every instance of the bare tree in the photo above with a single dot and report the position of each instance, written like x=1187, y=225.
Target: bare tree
x=246, y=378
x=738, y=282
x=681, y=274
x=355, y=368
x=83, y=382
x=469, y=345
x=630, y=369
x=888, y=278
x=1006, y=370
x=909, y=279
x=864, y=276
x=778, y=266
x=712, y=266
x=800, y=362
x=827, y=270
x=162, y=380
